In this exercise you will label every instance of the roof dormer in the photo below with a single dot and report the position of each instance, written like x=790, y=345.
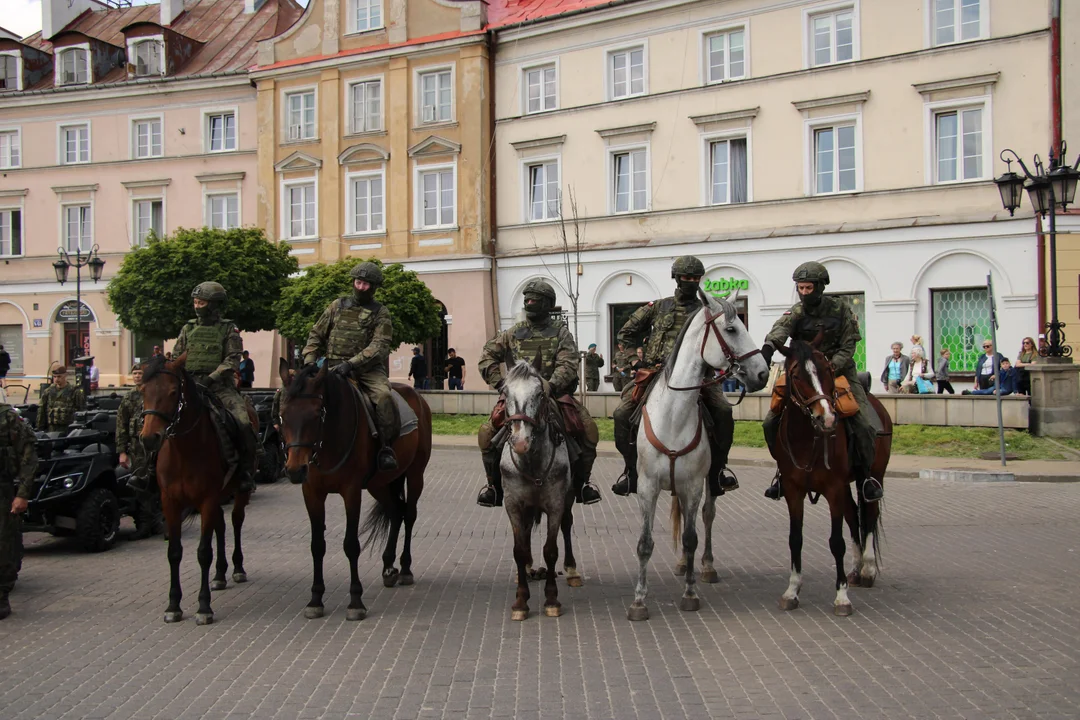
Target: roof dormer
x=154, y=50
x=21, y=65
x=81, y=59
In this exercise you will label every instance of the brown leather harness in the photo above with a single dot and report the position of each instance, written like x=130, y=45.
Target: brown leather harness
x=672, y=455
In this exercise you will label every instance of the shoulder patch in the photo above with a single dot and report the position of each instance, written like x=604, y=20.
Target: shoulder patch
x=651, y=303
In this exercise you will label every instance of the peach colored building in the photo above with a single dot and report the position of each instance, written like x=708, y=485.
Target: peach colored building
x=115, y=122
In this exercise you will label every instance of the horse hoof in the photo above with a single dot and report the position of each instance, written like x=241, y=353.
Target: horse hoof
x=311, y=612
x=866, y=581
x=354, y=614
x=853, y=579
x=552, y=610
x=709, y=576
x=204, y=618
x=575, y=581
x=637, y=612
x=406, y=579
x=843, y=610
x=173, y=616
x=391, y=579
x=680, y=569
x=690, y=604
x=789, y=603
x=519, y=614
x=218, y=584
x=239, y=577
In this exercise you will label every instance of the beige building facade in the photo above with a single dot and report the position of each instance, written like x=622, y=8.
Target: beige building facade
x=759, y=134
x=374, y=135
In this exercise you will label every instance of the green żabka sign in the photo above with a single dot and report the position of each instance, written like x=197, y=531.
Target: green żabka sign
x=725, y=286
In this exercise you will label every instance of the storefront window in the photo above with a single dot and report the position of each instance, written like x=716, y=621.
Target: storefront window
x=960, y=321
x=11, y=338
x=142, y=346
x=857, y=301
x=618, y=314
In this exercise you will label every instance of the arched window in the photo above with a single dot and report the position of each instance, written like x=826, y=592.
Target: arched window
x=73, y=67
x=148, y=58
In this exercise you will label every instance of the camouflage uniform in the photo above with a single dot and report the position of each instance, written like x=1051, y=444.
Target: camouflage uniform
x=620, y=369
x=841, y=334
x=540, y=333
x=129, y=422
x=214, y=349
x=18, y=461
x=56, y=411
x=593, y=363
x=356, y=332
x=660, y=322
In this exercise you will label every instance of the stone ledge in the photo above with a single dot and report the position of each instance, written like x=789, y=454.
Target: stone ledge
x=966, y=476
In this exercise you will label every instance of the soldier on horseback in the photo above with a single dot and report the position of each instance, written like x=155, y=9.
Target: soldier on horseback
x=354, y=335
x=214, y=349
x=538, y=333
x=660, y=322
x=833, y=317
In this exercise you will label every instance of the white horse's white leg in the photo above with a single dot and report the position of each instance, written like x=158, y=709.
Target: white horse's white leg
x=690, y=499
x=648, y=492
x=708, y=515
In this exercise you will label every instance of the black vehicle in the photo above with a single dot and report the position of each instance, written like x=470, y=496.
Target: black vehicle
x=272, y=465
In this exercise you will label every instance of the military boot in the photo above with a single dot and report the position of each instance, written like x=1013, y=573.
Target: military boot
x=585, y=492
x=386, y=415
x=492, y=494
x=5, y=606
x=776, y=490
x=627, y=482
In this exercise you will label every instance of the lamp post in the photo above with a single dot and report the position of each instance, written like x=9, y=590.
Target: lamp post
x=64, y=263
x=1048, y=187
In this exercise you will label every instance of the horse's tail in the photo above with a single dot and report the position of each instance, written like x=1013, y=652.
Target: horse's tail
x=376, y=525
x=676, y=521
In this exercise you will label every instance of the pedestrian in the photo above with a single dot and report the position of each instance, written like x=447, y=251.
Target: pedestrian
x=157, y=351
x=896, y=368
x=620, y=368
x=5, y=364
x=18, y=463
x=639, y=360
x=984, y=367
x=93, y=374
x=1028, y=356
x=168, y=356
x=1008, y=382
x=593, y=362
x=920, y=376
x=59, y=401
x=943, y=383
x=418, y=370
x=917, y=342
x=247, y=371
x=455, y=370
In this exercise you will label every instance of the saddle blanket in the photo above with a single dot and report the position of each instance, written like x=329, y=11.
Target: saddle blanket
x=407, y=421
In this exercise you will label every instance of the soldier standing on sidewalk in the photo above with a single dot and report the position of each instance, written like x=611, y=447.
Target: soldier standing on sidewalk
x=18, y=462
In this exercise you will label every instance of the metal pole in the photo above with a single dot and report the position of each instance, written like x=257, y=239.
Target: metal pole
x=997, y=364
x=1055, y=327
x=78, y=301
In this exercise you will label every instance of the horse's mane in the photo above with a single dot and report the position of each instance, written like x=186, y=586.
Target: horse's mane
x=306, y=373
x=154, y=366
x=670, y=361
x=801, y=350
x=521, y=370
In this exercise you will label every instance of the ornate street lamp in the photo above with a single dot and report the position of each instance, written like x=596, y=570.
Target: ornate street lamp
x=64, y=263
x=1047, y=189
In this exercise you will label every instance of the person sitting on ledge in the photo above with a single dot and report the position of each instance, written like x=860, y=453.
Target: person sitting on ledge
x=1008, y=381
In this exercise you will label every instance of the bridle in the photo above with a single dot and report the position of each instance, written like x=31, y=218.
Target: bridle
x=317, y=445
x=173, y=420
x=734, y=361
x=821, y=433
x=540, y=422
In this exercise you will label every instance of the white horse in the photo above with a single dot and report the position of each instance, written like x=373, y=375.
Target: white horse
x=671, y=447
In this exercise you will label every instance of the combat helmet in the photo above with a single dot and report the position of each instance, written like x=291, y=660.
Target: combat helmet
x=369, y=272
x=212, y=292
x=541, y=287
x=541, y=291
x=687, y=265
x=811, y=271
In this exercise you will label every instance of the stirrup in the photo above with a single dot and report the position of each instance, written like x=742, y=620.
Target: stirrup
x=776, y=490
x=588, y=494
x=488, y=497
x=872, y=490
x=727, y=479
x=623, y=486
x=386, y=459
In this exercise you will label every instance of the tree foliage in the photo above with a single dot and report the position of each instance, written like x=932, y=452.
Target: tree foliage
x=151, y=293
x=415, y=311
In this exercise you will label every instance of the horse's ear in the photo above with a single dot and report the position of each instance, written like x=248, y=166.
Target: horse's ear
x=283, y=371
x=179, y=362
x=538, y=361
x=819, y=337
x=321, y=375
x=783, y=350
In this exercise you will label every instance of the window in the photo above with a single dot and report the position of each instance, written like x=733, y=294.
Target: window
x=10, y=232
x=148, y=218
x=727, y=171
x=436, y=96
x=300, y=211
x=73, y=67
x=834, y=159
x=626, y=69
x=630, y=184
x=221, y=131
x=146, y=138
x=77, y=228
x=366, y=199
x=11, y=337
x=960, y=321
x=223, y=211
x=857, y=302
x=367, y=15
x=10, y=156
x=958, y=145
x=301, y=115
x=725, y=56
x=540, y=89
x=438, y=200
x=9, y=73
x=74, y=144
x=543, y=199
x=832, y=37
x=148, y=58
x=367, y=106
x=956, y=20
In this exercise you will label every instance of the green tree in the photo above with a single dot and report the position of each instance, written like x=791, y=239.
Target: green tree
x=151, y=293
x=410, y=302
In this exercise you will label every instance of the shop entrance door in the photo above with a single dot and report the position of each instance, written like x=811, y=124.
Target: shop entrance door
x=857, y=301
x=76, y=342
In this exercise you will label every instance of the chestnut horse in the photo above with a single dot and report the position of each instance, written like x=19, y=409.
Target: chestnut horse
x=812, y=455
x=330, y=450
x=191, y=471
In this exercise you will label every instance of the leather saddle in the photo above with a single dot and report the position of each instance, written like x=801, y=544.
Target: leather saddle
x=403, y=413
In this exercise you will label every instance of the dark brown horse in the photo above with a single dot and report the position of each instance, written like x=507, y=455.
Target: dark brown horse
x=330, y=450
x=191, y=471
x=812, y=454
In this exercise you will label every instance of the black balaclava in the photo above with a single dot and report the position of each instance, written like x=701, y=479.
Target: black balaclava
x=538, y=312
x=813, y=299
x=363, y=297
x=686, y=291
x=208, y=314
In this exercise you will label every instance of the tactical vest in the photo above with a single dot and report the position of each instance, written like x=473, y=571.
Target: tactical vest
x=135, y=399
x=61, y=410
x=830, y=315
x=526, y=341
x=667, y=322
x=206, y=346
x=351, y=330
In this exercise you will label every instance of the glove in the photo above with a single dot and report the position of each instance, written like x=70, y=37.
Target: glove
x=767, y=351
x=344, y=369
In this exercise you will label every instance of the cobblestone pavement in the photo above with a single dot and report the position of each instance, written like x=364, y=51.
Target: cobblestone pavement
x=972, y=618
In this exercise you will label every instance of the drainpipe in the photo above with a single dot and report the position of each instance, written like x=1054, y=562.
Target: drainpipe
x=489, y=241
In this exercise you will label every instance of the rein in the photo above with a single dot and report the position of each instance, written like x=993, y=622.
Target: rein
x=820, y=433
x=317, y=446
x=173, y=420
x=672, y=455
x=733, y=359
x=540, y=423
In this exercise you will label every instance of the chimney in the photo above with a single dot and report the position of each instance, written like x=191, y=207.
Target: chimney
x=170, y=10
x=56, y=14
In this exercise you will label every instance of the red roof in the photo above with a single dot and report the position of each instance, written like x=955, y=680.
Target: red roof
x=504, y=13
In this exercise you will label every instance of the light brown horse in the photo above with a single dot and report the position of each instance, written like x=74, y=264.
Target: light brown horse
x=812, y=455
x=330, y=450
x=191, y=471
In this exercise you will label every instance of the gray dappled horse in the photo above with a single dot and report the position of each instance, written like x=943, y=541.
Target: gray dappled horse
x=536, y=480
x=671, y=450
